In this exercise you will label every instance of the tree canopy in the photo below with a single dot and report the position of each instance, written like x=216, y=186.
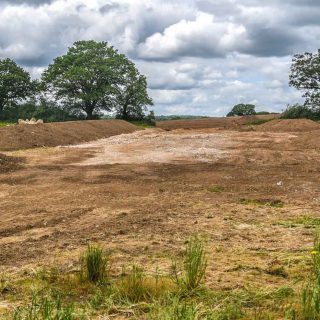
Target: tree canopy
x=305, y=76
x=131, y=97
x=93, y=76
x=15, y=83
x=242, y=110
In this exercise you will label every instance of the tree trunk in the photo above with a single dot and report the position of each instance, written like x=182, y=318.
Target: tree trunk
x=125, y=112
x=2, y=104
x=89, y=112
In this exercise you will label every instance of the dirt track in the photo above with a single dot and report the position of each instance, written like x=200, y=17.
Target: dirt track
x=142, y=194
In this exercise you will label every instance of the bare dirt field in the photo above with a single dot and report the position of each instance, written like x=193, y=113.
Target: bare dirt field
x=255, y=197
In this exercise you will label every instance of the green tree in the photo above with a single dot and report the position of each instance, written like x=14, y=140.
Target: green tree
x=15, y=84
x=305, y=76
x=92, y=77
x=131, y=96
x=242, y=110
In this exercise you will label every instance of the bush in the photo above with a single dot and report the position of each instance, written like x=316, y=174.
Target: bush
x=297, y=111
x=46, y=111
x=150, y=118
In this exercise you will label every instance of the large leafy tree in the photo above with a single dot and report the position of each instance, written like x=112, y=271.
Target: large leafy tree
x=83, y=78
x=15, y=84
x=131, y=97
x=305, y=76
x=89, y=77
x=242, y=110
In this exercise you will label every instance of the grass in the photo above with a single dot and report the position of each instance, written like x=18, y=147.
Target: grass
x=45, y=308
x=257, y=122
x=215, y=189
x=142, y=124
x=194, y=265
x=136, y=286
x=306, y=221
x=94, y=265
x=263, y=202
x=311, y=291
x=55, y=294
x=5, y=124
x=133, y=287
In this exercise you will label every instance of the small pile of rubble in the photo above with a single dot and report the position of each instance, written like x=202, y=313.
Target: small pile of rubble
x=31, y=121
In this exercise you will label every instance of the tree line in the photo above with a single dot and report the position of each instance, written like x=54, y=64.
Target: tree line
x=91, y=78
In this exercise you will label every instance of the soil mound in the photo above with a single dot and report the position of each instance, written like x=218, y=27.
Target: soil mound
x=220, y=123
x=60, y=133
x=227, y=123
x=289, y=125
x=310, y=139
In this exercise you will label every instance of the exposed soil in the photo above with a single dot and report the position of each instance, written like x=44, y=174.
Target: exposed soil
x=228, y=123
x=25, y=136
x=8, y=164
x=142, y=194
x=289, y=125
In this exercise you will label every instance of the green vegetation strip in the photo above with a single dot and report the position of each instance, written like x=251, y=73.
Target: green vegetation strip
x=93, y=291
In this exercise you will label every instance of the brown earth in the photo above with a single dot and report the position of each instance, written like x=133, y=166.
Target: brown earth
x=8, y=164
x=61, y=133
x=142, y=194
x=228, y=123
x=289, y=125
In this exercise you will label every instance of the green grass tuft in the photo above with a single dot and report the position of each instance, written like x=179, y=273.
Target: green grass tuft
x=194, y=265
x=263, y=202
x=5, y=124
x=215, y=189
x=94, y=265
x=45, y=308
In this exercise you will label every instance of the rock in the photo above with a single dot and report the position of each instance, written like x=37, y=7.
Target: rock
x=31, y=121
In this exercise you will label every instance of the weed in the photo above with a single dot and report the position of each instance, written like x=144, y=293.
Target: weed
x=175, y=310
x=310, y=296
x=94, y=265
x=44, y=308
x=136, y=286
x=184, y=311
x=215, y=189
x=5, y=285
x=132, y=286
x=305, y=221
x=194, y=265
x=5, y=124
x=263, y=202
x=257, y=122
x=278, y=271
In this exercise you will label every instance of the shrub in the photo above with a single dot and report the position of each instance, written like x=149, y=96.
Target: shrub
x=94, y=265
x=297, y=111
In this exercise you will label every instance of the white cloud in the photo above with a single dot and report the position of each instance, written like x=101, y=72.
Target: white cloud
x=200, y=56
x=203, y=37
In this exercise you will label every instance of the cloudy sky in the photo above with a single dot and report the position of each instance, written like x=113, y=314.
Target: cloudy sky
x=200, y=56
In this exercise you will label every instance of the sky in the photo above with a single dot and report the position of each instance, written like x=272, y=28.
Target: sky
x=200, y=57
